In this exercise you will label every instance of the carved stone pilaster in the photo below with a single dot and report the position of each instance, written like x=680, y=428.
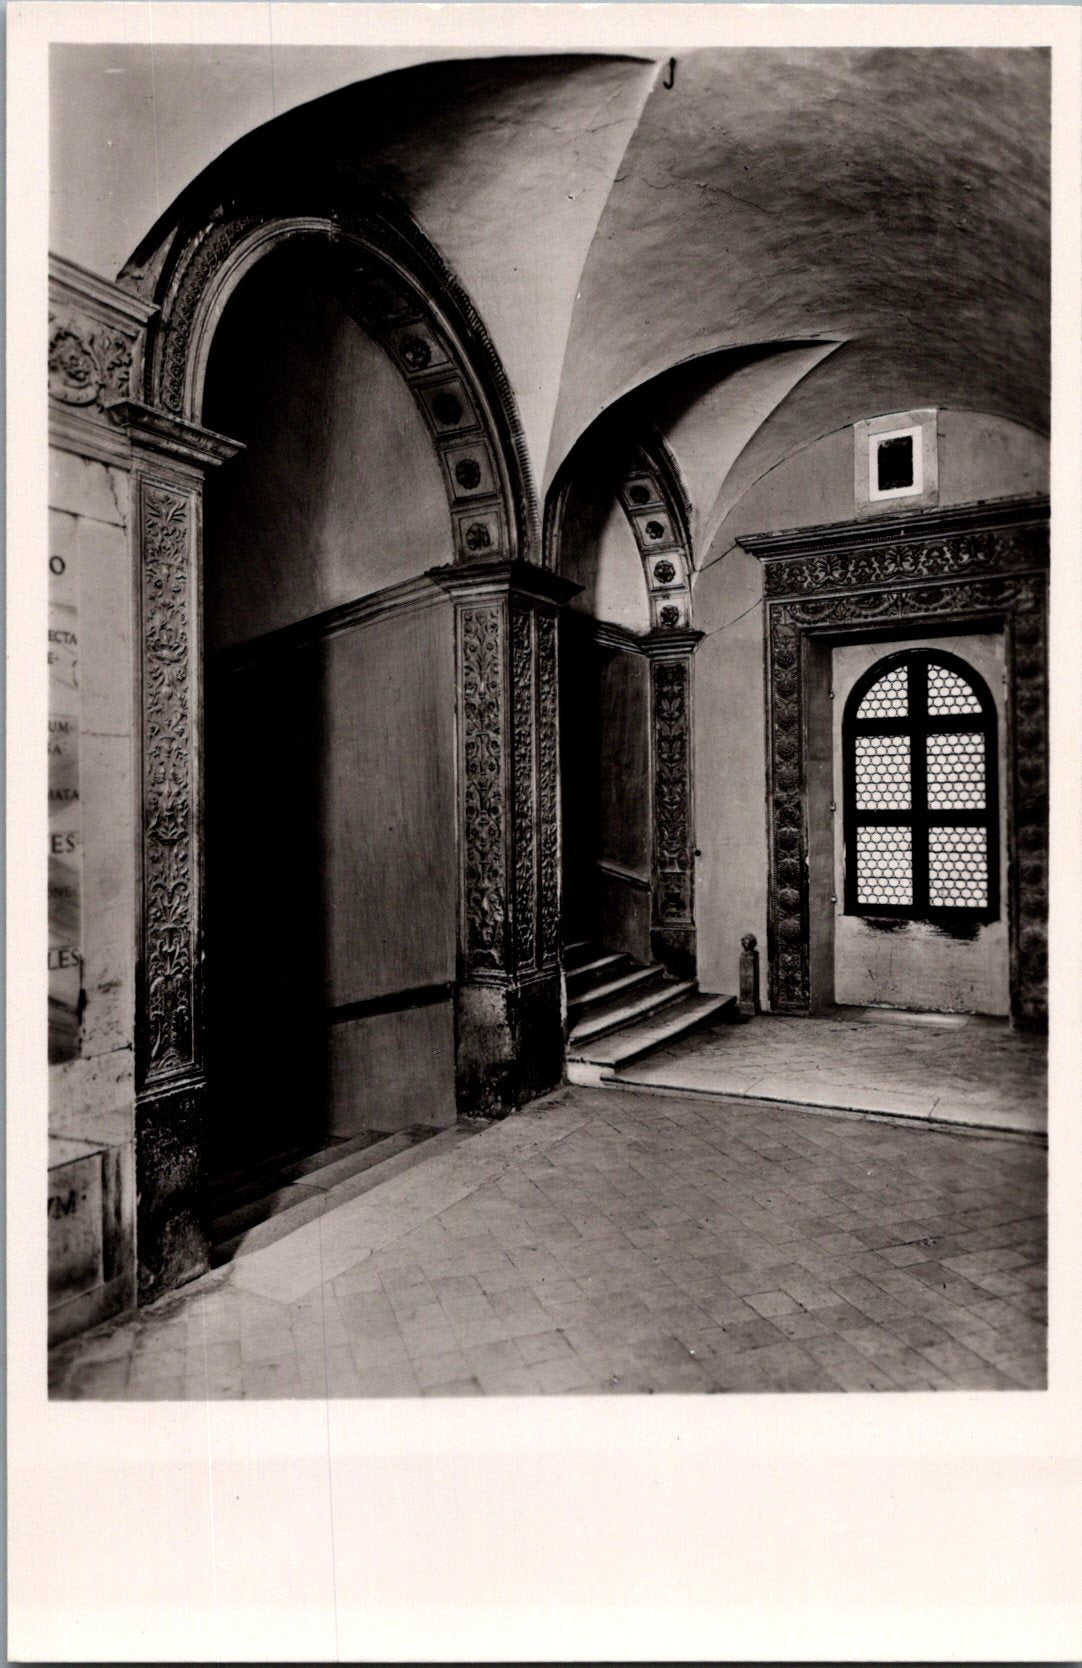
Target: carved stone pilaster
x=969, y=565
x=170, y=1085
x=672, y=926
x=509, y=1033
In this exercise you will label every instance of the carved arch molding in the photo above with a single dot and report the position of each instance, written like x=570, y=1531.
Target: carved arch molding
x=403, y=296
x=980, y=566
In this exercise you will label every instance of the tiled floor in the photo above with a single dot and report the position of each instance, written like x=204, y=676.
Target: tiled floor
x=610, y=1240
x=963, y=1070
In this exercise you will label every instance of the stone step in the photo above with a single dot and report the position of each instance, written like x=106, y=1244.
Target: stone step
x=600, y=1061
x=230, y=1192
x=262, y=1221
x=604, y=963
x=625, y=980
x=628, y=1009
x=582, y=950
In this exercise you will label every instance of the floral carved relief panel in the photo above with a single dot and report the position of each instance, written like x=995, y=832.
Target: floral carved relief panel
x=522, y=706
x=672, y=792
x=483, y=827
x=90, y=363
x=548, y=788
x=170, y=880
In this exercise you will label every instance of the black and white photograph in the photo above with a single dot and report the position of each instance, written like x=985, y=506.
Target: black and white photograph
x=548, y=608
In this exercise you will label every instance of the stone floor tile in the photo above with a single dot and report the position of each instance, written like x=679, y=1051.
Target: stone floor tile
x=380, y=1352
x=802, y=1324
x=407, y=1274
x=505, y=1277
x=1029, y=1372
x=271, y=1380
x=771, y=1304
x=847, y=1366
x=562, y=1376
x=544, y=1346
x=446, y=1367
x=752, y=1334
x=431, y=1337
x=386, y=1381
x=968, y=1370
x=98, y=1381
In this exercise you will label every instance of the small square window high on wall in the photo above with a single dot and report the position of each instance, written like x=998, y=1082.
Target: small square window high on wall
x=895, y=460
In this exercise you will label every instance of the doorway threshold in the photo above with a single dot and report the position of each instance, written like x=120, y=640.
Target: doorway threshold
x=252, y=1216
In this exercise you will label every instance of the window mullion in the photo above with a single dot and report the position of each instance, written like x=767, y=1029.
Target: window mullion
x=918, y=768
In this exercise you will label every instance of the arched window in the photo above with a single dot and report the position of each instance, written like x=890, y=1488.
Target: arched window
x=919, y=743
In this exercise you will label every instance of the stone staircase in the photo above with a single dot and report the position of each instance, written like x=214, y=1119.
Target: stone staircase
x=620, y=1010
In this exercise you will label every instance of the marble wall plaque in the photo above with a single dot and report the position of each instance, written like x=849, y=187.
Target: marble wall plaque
x=65, y=820
x=75, y=1220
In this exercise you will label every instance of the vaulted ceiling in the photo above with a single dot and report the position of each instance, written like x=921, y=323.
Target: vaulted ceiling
x=774, y=245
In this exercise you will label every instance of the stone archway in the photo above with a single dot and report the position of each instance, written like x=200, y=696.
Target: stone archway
x=507, y=994
x=648, y=489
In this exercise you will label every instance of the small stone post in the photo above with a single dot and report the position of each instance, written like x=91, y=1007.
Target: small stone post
x=748, y=1001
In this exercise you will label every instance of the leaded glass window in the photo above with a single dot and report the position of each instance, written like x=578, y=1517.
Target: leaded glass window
x=920, y=796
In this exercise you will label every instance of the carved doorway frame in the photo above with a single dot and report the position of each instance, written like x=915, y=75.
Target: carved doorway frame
x=406, y=299
x=651, y=494
x=974, y=566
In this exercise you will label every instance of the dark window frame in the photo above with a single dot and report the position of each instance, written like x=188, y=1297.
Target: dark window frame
x=917, y=725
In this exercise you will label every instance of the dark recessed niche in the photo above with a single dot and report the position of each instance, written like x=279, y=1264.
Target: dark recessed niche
x=894, y=463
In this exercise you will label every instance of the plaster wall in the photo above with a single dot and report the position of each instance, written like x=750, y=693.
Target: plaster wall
x=338, y=492
x=598, y=551
x=980, y=457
